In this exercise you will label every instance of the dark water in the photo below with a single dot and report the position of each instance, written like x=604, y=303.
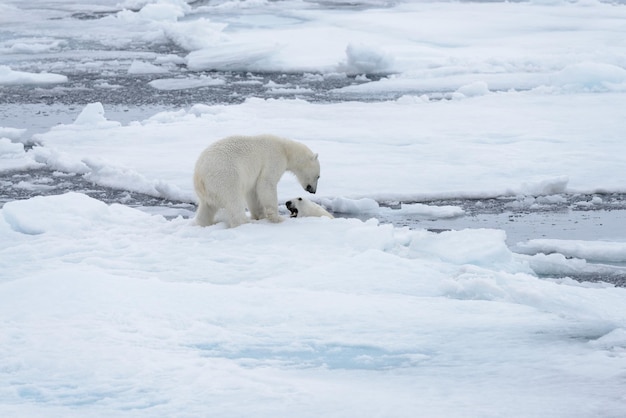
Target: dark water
x=135, y=90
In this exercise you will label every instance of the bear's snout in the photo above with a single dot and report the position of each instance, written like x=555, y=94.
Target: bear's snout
x=310, y=189
x=292, y=208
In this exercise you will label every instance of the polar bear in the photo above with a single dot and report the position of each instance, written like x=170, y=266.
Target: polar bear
x=243, y=171
x=301, y=206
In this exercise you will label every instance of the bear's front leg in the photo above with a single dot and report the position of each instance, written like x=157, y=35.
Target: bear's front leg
x=268, y=200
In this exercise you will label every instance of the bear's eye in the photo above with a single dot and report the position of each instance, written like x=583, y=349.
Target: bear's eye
x=300, y=199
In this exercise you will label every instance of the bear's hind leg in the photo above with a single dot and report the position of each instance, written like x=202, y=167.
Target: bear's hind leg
x=205, y=215
x=236, y=212
x=254, y=206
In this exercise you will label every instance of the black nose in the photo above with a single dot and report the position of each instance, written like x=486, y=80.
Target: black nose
x=288, y=204
x=310, y=189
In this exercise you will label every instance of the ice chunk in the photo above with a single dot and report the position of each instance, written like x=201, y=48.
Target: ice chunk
x=13, y=156
x=10, y=149
x=8, y=76
x=142, y=67
x=430, y=211
x=607, y=251
x=481, y=247
x=345, y=205
x=92, y=116
x=11, y=133
x=186, y=83
x=230, y=56
x=196, y=34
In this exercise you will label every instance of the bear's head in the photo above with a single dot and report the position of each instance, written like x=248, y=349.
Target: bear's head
x=308, y=173
x=300, y=207
x=293, y=206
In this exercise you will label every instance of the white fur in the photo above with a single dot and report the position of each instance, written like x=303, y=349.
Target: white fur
x=305, y=207
x=243, y=171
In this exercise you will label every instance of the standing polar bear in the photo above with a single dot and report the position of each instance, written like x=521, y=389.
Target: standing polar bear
x=243, y=171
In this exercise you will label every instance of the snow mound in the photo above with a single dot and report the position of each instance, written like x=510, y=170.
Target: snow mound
x=366, y=59
x=66, y=212
x=594, y=76
x=613, y=341
x=551, y=186
x=478, y=88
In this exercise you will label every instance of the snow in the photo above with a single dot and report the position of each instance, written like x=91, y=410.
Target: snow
x=124, y=312
x=108, y=310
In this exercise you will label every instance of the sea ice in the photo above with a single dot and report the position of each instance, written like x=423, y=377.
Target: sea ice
x=107, y=310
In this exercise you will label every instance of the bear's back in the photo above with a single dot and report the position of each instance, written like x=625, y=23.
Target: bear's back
x=238, y=147
x=244, y=157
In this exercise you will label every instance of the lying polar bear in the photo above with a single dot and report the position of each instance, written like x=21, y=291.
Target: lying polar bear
x=300, y=207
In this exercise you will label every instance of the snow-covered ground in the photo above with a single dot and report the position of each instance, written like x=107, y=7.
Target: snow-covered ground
x=107, y=310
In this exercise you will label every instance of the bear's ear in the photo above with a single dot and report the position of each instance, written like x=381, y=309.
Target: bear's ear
x=316, y=155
